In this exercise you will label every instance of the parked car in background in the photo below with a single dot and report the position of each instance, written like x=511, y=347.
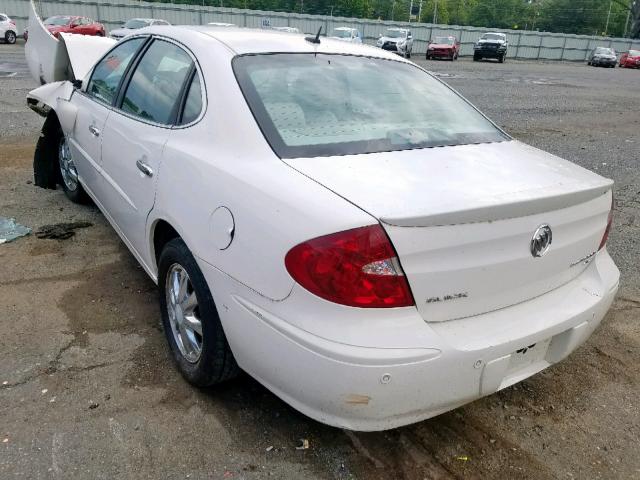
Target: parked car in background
x=443, y=47
x=135, y=24
x=491, y=45
x=399, y=40
x=630, y=59
x=73, y=24
x=602, y=57
x=346, y=34
x=221, y=24
x=8, y=29
x=286, y=29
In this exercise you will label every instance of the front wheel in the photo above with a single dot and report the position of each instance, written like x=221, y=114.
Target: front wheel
x=68, y=172
x=10, y=37
x=190, y=318
x=476, y=58
x=502, y=58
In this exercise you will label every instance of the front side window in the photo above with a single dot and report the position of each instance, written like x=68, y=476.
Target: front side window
x=156, y=83
x=311, y=105
x=109, y=71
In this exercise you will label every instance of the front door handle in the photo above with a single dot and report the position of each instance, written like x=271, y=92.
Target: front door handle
x=144, y=168
x=94, y=131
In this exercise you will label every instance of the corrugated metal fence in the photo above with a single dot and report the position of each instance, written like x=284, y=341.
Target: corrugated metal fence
x=522, y=44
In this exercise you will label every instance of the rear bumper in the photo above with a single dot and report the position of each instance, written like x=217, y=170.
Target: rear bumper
x=441, y=53
x=434, y=368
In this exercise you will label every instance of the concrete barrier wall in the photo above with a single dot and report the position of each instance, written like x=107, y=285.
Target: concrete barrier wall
x=522, y=44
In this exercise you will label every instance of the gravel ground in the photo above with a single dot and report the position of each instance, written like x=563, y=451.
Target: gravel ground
x=87, y=389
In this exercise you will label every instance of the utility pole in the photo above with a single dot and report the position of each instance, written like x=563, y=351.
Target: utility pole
x=626, y=23
x=393, y=7
x=420, y=12
x=435, y=11
x=606, y=27
x=410, y=11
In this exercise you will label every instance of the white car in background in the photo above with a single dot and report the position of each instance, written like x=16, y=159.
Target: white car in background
x=399, y=40
x=346, y=34
x=328, y=217
x=221, y=24
x=8, y=29
x=134, y=24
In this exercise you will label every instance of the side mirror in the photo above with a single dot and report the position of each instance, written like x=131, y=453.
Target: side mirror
x=77, y=84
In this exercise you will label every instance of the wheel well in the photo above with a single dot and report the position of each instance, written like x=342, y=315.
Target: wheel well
x=163, y=233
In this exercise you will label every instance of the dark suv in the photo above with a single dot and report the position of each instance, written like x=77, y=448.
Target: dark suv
x=491, y=45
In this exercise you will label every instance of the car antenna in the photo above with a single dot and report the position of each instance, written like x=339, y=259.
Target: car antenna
x=315, y=39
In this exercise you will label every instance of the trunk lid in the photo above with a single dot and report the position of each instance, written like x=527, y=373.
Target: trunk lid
x=462, y=219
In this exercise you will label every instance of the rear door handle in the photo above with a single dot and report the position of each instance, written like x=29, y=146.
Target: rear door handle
x=94, y=131
x=144, y=168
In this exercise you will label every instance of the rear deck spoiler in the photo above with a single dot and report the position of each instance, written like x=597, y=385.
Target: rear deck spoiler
x=69, y=57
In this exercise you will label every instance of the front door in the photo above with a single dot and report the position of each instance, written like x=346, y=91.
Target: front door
x=135, y=135
x=94, y=106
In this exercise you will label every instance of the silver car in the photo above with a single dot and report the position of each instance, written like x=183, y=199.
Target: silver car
x=135, y=24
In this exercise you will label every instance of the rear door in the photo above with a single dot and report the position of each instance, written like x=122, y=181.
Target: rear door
x=136, y=133
x=94, y=106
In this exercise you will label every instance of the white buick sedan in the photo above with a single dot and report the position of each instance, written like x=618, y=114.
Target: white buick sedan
x=328, y=217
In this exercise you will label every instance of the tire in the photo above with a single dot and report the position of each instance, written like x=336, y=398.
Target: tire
x=408, y=53
x=48, y=165
x=10, y=37
x=427, y=57
x=67, y=173
x=214, y=362
x=502, y=58
x=476, y=58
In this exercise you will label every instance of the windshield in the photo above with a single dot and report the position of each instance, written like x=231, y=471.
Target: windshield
x=342, y=33
x=310, y=105
x=492, y=36
x=604, y=51
x=57, y=21
x=634, y=53
x=136, y=23
x=395, y=34
x=443, y=40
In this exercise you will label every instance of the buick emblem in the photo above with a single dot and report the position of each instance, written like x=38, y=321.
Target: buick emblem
x=541, y=240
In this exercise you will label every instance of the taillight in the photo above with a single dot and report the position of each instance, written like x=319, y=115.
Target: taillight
x=605, y=237
x=358, y=268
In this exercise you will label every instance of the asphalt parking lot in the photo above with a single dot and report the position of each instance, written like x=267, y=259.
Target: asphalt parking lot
x=87, y=388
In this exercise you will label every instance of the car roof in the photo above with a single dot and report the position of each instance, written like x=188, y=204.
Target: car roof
x=242, y=41
x=344, y=28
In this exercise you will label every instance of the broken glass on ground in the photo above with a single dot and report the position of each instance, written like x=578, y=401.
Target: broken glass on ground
x=10, y=230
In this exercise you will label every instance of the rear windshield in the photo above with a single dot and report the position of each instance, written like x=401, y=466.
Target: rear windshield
x=57, y=21
x=136, y=23
x=323, y=105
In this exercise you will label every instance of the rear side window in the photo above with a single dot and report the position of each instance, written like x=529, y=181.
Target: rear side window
x=109, y=71
x=156, y=83
x=193, y=103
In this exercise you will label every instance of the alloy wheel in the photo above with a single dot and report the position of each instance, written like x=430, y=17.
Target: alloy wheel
x=67, y=167
x=184, y=314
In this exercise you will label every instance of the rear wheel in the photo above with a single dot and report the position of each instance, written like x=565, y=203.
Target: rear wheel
x=476, y=57
x=10, y=37
x=502, y=58
x=190, y=318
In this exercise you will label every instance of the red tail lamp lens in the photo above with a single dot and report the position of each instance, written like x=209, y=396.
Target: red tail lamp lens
x=358, y=268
